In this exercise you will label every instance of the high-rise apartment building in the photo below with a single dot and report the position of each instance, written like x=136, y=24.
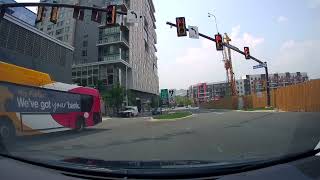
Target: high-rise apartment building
x=65, y=28
x=258, y=81
x=122, y=55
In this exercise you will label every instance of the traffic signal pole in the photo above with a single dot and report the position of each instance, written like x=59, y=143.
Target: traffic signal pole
x=241, y=52
x=8, y=5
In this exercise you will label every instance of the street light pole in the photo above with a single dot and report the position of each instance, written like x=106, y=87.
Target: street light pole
x=215, y=20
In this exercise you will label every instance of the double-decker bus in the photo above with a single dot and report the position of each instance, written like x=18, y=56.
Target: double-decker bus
x=32, y=103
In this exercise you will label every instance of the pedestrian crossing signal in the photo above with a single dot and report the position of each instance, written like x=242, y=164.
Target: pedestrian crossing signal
x=219, y=44
x=181, y=26
x=247, y=52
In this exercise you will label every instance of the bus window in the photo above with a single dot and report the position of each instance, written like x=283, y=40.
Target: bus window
x=86, y=103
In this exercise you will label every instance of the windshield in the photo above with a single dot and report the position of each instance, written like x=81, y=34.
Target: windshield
x=159, y=80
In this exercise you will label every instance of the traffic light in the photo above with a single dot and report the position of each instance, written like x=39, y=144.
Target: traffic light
x=219, y=44
x=78, y=13
x=181, y=26
x=54, y=14
x=111, y=15
x=96, y=16
x=247, y=52
x=40, y=14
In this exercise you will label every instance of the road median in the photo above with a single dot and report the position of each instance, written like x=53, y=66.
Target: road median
x=172, y=116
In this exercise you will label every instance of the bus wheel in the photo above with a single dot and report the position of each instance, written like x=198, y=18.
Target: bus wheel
x=7, y=130
x=80, y=124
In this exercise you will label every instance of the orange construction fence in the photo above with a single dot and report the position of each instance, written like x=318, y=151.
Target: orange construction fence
x=304, y=97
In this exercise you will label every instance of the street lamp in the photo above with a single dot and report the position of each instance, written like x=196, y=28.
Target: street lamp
x=215, y=19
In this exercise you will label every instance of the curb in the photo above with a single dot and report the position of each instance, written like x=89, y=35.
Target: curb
x=166, y=120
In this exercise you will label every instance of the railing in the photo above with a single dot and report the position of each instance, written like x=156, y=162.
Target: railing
x=112, y=39
x=118, y=2
x=114, y=57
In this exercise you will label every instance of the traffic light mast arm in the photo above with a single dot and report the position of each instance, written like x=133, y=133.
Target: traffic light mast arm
x=202, y=35
x=8, y=5
x=224, y=44
x=241, y=52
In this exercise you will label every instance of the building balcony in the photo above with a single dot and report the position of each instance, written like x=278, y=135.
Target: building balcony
x=114, y=39
x=126, y=3
x=110, y=59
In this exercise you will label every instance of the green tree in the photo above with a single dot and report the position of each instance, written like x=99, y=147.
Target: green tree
x=184, y=101
x=155, y=101
x=132, y=98
x=114, y=97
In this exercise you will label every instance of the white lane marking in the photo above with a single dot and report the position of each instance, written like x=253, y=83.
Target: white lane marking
x=317, y=147
x=219, y=113
x=219, y=149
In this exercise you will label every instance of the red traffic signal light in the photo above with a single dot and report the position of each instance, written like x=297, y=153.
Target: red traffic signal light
x=247, y=52
x=181, y=26
x=111, y=15
x=219, y=44
x=54, y=15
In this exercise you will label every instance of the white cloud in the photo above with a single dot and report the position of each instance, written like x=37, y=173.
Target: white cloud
x=313, y=3
x=298, y=56
x=194, y=65
x=282, y=19
x=246, y=39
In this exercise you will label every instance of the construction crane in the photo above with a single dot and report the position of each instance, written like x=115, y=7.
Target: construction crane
x=228, y=65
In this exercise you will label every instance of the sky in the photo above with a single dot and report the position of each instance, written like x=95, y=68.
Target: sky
x=282, y=33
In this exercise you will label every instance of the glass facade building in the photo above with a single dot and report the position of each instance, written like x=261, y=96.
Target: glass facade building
x=22, y=13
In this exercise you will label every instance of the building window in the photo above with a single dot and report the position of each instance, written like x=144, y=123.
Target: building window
x=60, y=38
x=41, y=29
x=67, y=22
x=66, y=38
x=84, y=53
x=51, y=33
x=67, y=29
x=60, y=23
x=110, y=79
x=85, y=43
x=61, y=15
x=50, y=27
x=85, y=36
x=59, y=31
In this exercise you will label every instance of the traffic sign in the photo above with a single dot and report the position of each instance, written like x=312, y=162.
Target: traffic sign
x=193, y=32
x=164, y=94
x=259, y=66
x=172, y=95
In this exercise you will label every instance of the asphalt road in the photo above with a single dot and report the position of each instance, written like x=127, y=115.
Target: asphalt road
x=216, y=136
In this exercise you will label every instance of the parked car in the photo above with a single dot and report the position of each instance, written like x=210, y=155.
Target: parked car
x=157, y=111
x=129, y=111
